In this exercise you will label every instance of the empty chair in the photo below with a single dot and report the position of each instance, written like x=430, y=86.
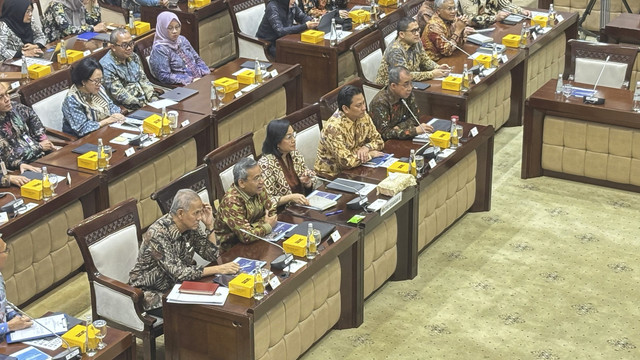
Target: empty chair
x=588, y=59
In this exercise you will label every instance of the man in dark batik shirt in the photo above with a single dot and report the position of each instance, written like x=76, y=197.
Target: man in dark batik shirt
x=392, y=119
x=166, y=253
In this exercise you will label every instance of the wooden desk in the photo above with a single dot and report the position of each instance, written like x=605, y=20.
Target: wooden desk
x=581, y=142
x=252, y=111
x=42, y=254
x=240, y=328
x=208, y=29
x=121, y=345
x=623, y=29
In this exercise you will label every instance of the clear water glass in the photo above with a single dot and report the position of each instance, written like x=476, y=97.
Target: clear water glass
x=108, y=151
x=101, y=332
x=220, y=93
x=566, y=91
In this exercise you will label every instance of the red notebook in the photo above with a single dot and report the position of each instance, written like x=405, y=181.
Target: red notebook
x=198, y=288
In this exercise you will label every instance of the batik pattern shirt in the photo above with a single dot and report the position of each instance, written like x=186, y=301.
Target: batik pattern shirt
x=83, y=112
x=434, y=37
x=483, y=12
x=391, y=117
x=184, y=64
x=21, y=132
x=413, y=57
x=11, y=45
x=6, y=312
x=57, y=25
x=237, y=211
x=340, y=140
x=126, y=82
x=424, y=14
x=166, y=258
x=274, y=178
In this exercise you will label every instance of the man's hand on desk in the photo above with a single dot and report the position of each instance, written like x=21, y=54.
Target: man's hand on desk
x=424, y=128
x=18, y=180
x=228, y=268
x=100, y=27
x=344, y=14
x=47, y=145
x=19, y=322
x=374, y=154
x=296, y=198
x=440, y=73
x=271, y=220
x=31, y=50
x=312, y=24
x=363, y=154
x=27, y=167
x=501, y=15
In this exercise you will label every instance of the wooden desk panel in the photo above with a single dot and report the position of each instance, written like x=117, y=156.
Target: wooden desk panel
x=227, y=332
x=623, y=29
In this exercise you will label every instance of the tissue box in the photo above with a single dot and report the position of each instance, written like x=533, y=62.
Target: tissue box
x=141, y=27
x=73, y=56
x=452, y=83
x=77, y=335
x=387, y=2
x=246, y=77
x=32, y=190
x=360, y=16
x=228, y=84
x=202, y=3
x=441, y=139
x=242, y=285
x=296, y=245
x=511, y=40
x=398, y=167
x=312, y=36
x=540, y=20
x=153, y=124
x=37, y=71
x=483, y=59
x=392, y=185
x=88, y=160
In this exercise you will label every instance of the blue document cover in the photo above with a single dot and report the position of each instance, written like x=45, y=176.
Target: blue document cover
x=87, y=36
x=279, y=230
x=249, y=266
x=30, y=353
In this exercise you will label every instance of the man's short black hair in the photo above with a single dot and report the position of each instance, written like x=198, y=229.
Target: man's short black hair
x=346, y=94
x=403, y=24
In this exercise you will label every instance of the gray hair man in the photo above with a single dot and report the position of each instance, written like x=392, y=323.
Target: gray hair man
x=245, y=206
x=166, y=253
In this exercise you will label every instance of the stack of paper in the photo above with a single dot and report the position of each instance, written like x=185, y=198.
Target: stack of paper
x=219, y=298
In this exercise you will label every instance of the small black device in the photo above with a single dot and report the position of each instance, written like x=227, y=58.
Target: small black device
x=593, y=100
x=11, y=208
x=139, y=140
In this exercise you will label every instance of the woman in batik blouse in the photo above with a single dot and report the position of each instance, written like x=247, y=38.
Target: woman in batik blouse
x=173, y=60
x=18, y=35
x=286, y=177
x=71, y=17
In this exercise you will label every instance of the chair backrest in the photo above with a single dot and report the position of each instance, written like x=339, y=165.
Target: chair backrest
x=221, y=161
x=246, y=15
x=143, y=48
x=46, y=95
x=38, y=13
x=588, y=59
x=197, y=180
x=368, y=53
x=305, y=122
x=109, y=241
x=111, y=13
x=329, y=101
x=389, y=27
x=411, y=8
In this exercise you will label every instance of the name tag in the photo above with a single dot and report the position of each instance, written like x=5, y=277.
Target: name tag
x=476, y=79
x=185, y=123
x=237, y=95
x=335, y=236
x=274, y=282
x=504, y=58
x=559, y=18
x=86, y=53
x=274, y=73
x=130, y=151
x=15, y=84
x=474, y=131
x=432, y=163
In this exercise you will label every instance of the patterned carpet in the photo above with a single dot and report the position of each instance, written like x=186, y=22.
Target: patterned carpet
x=551, y=272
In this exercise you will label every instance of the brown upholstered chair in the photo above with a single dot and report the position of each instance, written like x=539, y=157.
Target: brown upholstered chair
x=389, y=27
x=221, y=161
x=113, y=14
x=307, y=123
x=109, y=245
x=588, y=59
x=197, y=180
x=45, y=97
x=143, y=48
x=329, y=101
x=368, y=53
x=245, y=17
x=411, y=8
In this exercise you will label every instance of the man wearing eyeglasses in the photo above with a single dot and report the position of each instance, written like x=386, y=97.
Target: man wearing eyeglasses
x=392, y=118
x=10, y=320
x=123, y=75
x=406, y=50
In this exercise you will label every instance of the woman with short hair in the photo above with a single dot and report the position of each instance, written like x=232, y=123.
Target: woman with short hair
x=87, y=106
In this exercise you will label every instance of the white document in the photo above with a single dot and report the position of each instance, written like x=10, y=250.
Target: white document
x=125, y=127
x=341, y=37
x=159, y=104
x=56, y=323
x=31, y=61
x=52, y=344
x=123, y=139
x=219, y=298
x=295, y=265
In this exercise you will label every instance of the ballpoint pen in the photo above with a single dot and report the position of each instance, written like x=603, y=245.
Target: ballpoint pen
x=333, y=213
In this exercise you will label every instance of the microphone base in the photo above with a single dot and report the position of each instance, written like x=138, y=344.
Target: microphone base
x=69, y=354
x=593, y=100
x=357, y=204
x=282, y=261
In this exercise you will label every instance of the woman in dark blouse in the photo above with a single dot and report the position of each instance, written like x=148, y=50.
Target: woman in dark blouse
x=278, y=21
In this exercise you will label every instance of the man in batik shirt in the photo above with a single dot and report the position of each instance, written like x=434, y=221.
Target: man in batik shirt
x=349, y=137
x=245, y=206
x=406, y=50
x=483, y=13
x=445, y=32
x=22, y=135
x=123, y=76
x=391, y=117
x=166, y=253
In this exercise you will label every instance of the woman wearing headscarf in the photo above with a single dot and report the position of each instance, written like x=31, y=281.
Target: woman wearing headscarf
x=71, y=17
x=18, y=35
x=173, y=60
x=278, y=21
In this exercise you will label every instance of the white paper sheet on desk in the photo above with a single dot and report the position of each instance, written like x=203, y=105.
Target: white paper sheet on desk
x=122, y=139
x=159, y=104
x=52, y=344
x=57, y=324
x=31, y=61
x=219, y=298
x=296, y=265
x=126, y=127
x=27, y=207
x=344, y=34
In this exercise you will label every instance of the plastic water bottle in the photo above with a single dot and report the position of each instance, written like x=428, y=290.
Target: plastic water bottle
x=524, y=35
x=466, y=81
x=454, y=132
x=551, y=16
x=559, y=84
x=24, y=71
x=132, y=26
x=102, y=161
x=636, y=98
x=312, y=249
x=413, y=170
x=46, y=184
x=333, y=36
x=63, y=52
x=257, y=72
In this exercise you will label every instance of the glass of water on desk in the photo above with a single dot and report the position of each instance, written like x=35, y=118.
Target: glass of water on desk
x=566, y=91
x=101, y=332
x=419, y=163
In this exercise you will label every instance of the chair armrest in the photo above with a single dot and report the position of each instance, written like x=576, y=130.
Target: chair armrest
x=263, y=43
x=134, y=293
x=60, y=135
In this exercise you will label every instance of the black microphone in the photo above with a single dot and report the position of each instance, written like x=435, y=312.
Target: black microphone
x=281, y=261
x=594, y=100
x=68, y=354
x=356, y=204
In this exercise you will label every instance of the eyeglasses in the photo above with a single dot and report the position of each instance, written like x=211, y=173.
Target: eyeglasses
x=414, y=30
x=406, y=85
x=127, y=45
x=5, y=95
x=172, y=28
x=97, y=81
x=290, y=136
x=449, y=9
x=29, y=11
